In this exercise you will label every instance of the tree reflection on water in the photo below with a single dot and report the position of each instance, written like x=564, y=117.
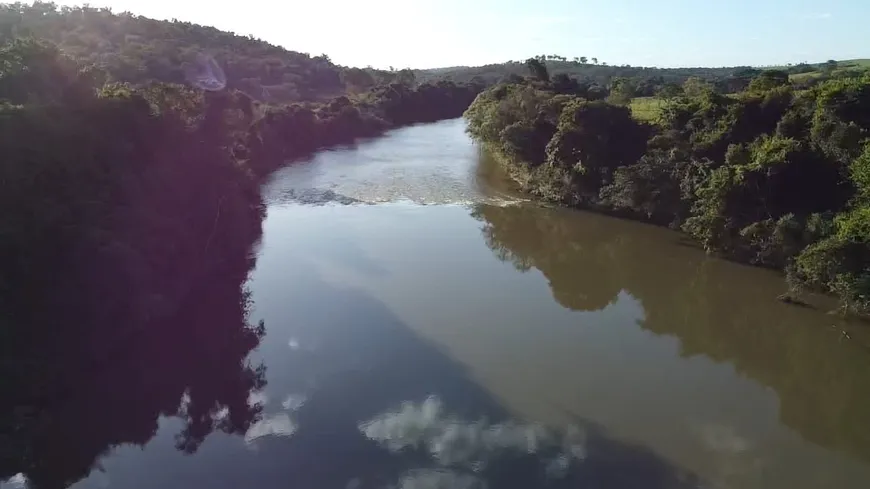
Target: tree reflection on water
x=712, y=307
x=149, y=320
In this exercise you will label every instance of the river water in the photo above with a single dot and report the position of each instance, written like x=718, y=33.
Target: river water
x=427, y=327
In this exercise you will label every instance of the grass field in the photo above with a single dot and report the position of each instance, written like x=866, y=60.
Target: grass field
x=865, y=62
x=646, y=109
x=862, y=64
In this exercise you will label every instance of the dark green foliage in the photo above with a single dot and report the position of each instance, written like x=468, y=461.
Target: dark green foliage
x=591, y=140
x=647, y=80
x=400, y=104
x=765, y=176
x=658, y=187
x=139, y=50
x=860, y=173
x=562, y=83
x=669, y=91
x=66, y=136
x=767, y=80
x=291, y=131
x=121, y=214
x=801, y=68
x=527, y=141
x=538, y=69
x=622, y=90
x=128, y=212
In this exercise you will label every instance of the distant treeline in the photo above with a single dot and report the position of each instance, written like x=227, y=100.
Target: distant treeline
x=771, y=175
x=644, y=81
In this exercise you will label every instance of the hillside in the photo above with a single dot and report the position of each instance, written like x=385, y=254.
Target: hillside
x=646, y=79
x=803, y=72
x=136, y=49
x=590, y=72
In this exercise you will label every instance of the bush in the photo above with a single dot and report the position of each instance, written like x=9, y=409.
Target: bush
x=768, y=176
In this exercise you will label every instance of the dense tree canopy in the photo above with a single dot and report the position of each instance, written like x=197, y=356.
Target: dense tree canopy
x=645, y=79
x=122, y=212
x=771, y=175
x=135, y=49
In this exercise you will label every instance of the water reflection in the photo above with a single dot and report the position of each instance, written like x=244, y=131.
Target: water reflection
x=474, y=445
x=402, y=355
x=150, y=321
x=715, y=309
x=374, y=405
x=478, y=453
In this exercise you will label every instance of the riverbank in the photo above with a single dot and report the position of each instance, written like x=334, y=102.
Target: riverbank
x=334, y=316
x=769, y=177
x=128, y=218
x=294, y=131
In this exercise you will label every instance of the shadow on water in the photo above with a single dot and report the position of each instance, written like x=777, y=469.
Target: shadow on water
x=156, y=333
x=720, y=310
x=148, y=319
x=384, y=408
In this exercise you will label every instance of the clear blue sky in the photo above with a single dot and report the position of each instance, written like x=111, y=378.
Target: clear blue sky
x=432, y=33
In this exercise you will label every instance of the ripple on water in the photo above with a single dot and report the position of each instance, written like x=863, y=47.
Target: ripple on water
x=320, y=197
x=434, y=164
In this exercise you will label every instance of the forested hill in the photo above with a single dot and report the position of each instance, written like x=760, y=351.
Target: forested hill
x=585, y=69
x=136, y=49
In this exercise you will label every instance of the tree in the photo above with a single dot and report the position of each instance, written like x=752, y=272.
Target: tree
x=357, y=78
x=406, y=76
x=622, y=90
x=35, y=71
x=584, y=59
x=562, y=83
x=586, y=129
x=595, y=60
x=772, y=176
x=138, y=50
x=747, y=73
x=512, y=78
x=769, y=79
x=830, y=65
x=538, y=69
x=695, y=86
x=801, y=67
x=669, y=91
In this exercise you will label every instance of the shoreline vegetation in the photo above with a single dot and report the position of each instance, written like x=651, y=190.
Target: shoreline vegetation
x=129, y=207
x=130, y=202
x=769, y=175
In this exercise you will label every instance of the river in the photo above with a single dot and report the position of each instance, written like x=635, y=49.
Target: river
x=428, y=327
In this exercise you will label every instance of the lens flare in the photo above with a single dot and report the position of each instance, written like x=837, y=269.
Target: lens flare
x=205, y=73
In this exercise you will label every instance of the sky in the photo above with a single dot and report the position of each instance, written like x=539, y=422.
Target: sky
x=439, y=33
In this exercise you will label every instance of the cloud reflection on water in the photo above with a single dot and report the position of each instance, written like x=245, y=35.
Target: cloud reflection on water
x=472, y=447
